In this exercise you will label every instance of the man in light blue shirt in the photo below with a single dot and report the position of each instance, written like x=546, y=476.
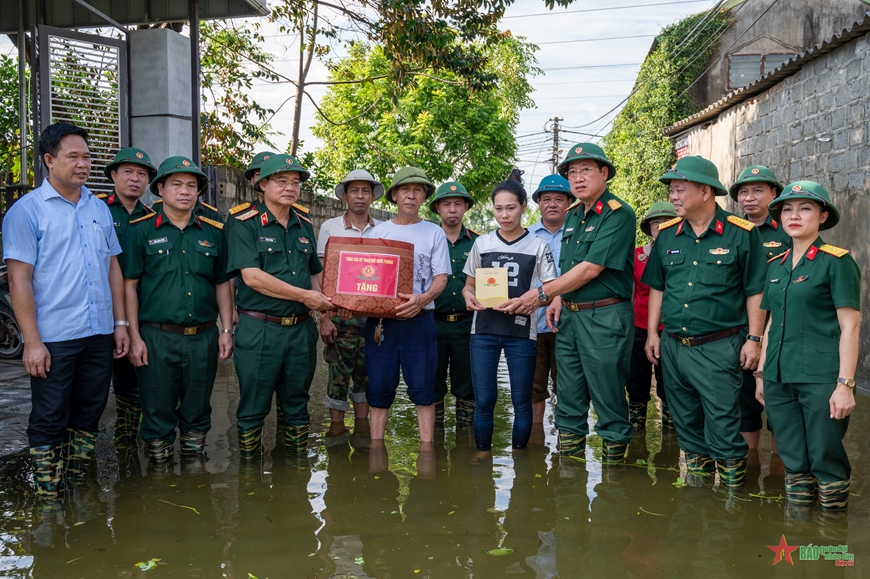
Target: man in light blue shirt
x=553, y=197
x=66, y=286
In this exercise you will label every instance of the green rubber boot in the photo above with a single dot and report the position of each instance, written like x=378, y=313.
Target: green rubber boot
x=612, y=452
x=834, y=496
x=732, y=472
x=800, y=488
x=464, y=412
x=439, y=411
x=128, y=414
x=572, y=444
x=296, y=438
x=192, y=443
x=637, y=415
x=78, y=448
x=667, y=419
x=700, y=469
x=159, y=451
x=47, y=461
x=251, y=443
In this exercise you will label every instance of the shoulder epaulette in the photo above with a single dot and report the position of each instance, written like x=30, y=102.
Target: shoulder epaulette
x=239, y=208
x=303, y=218
x=777, y=256
x=143, y=218
x=156, y=201
x=147, y=209
x=472, y=231
x=573, y=205
x=101, y=195
x=741, y=223
x=212, y=222
x=301, y=208
x=247, y=215
x=834, y=250
x=670, y=222
x=207, y=206
x=614, y=204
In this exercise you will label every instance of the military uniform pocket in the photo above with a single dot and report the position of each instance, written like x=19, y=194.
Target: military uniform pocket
x=820, y=355
x=203, y=260
x=715, y=269
x=158, y=259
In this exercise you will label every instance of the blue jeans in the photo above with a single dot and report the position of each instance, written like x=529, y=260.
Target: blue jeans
x=521, y=354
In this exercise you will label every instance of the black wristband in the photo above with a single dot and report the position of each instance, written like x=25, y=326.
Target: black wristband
x=754, y=338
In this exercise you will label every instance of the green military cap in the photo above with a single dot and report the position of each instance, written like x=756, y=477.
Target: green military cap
x=130, y=155
x=178, y=164
x=660, y=210
x=553, y=184
x=582, y=151
x=698, y=170
x=450, y=189
x=257, y=163
x=811, y=191
x=409, y=175
x=755, y=174
x=281, y=164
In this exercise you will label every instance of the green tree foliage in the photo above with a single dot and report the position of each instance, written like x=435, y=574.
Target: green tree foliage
x=433, y=121
x=635, y=143
x=9, y=159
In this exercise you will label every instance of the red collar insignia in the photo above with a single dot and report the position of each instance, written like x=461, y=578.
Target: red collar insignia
x=774, y=224
x=719, y=228
x=811, y=252
x=196, y=218
x=111, y=199
x=264, y=219
x=599, y=207
x=158, y=222
x=680, y=228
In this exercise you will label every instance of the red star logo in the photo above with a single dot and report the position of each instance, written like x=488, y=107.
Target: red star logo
x=783, y=551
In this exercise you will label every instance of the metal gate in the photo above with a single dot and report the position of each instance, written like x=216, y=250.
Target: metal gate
x=83, y=81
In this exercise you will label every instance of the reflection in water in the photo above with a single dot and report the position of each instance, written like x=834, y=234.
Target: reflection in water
x=361, y=508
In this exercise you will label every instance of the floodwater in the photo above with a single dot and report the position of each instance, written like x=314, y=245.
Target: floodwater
x=356, y=509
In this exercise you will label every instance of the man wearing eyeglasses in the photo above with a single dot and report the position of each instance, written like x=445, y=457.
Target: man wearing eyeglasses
x=273, y=249
x=706, y=273
x=592, y=312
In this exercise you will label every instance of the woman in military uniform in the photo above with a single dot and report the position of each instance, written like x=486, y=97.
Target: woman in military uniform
x=807, y=367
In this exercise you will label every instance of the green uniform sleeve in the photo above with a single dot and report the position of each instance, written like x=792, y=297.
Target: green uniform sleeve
x=764, y=303
x=846, y=283
x=314, y=264
x=754, y=265
x=133, y=264
x=220, y=266
x=615, y=240
x=243, y=251
x=653, y=273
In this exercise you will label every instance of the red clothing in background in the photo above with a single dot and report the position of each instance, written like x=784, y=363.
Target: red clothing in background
x=641, y=291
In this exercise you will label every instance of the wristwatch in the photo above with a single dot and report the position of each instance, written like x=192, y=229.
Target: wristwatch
x=756, y=339
x=124, y=323
x=230, y=331
x=848, y=382
x=542, y=295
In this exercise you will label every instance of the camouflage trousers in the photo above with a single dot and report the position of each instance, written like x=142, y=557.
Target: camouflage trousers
x=347, y=364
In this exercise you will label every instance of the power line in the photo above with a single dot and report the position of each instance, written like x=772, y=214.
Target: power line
x=594, y=39
x=602, y=9
x=595, y=66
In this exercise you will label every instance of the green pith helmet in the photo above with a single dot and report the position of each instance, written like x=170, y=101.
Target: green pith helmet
x=755, y=174
x=257, y=163
x=660, y=210
x=698, y=170
x=281, y=164
x=811, y=191
x=178, y=164
x=582, y=151
x=450, y=189
x=130, y=155
x=407, y=176
x=553, y=184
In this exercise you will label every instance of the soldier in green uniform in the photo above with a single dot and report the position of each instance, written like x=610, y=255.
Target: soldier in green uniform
x=807, y=368
x=593, y=309
x=131, y=171
x=273, y=249
x=755, y=188
x=175, y=286
x=706, y=273
x=452, y=319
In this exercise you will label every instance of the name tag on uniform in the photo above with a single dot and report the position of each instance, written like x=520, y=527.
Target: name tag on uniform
x=466, y=254
x=158, y=240
x=800, y=279
x=116, y=224
x=775, y=280
x=569, y=230
x=267, y=239
x=674, y=251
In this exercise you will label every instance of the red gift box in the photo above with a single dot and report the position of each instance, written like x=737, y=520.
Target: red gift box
x=366, y=275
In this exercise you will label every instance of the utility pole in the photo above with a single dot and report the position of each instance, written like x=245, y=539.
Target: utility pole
x=554, y=159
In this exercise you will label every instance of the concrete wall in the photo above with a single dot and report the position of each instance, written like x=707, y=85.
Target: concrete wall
x=789, y=26
x=813, y=125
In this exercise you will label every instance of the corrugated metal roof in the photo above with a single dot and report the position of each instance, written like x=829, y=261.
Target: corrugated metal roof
x=772, y=78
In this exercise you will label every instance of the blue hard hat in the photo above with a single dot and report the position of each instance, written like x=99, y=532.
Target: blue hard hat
x=553, y=184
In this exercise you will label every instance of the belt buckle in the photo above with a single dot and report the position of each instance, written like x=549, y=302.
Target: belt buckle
x=452, y=317
x=190, y=331
x=289, y=321
x=686, y=341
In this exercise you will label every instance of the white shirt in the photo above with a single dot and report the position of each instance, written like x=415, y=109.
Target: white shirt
x=431, y=256
x=342, y=227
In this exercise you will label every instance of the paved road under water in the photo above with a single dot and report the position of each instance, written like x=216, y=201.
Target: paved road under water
x=357, y=509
